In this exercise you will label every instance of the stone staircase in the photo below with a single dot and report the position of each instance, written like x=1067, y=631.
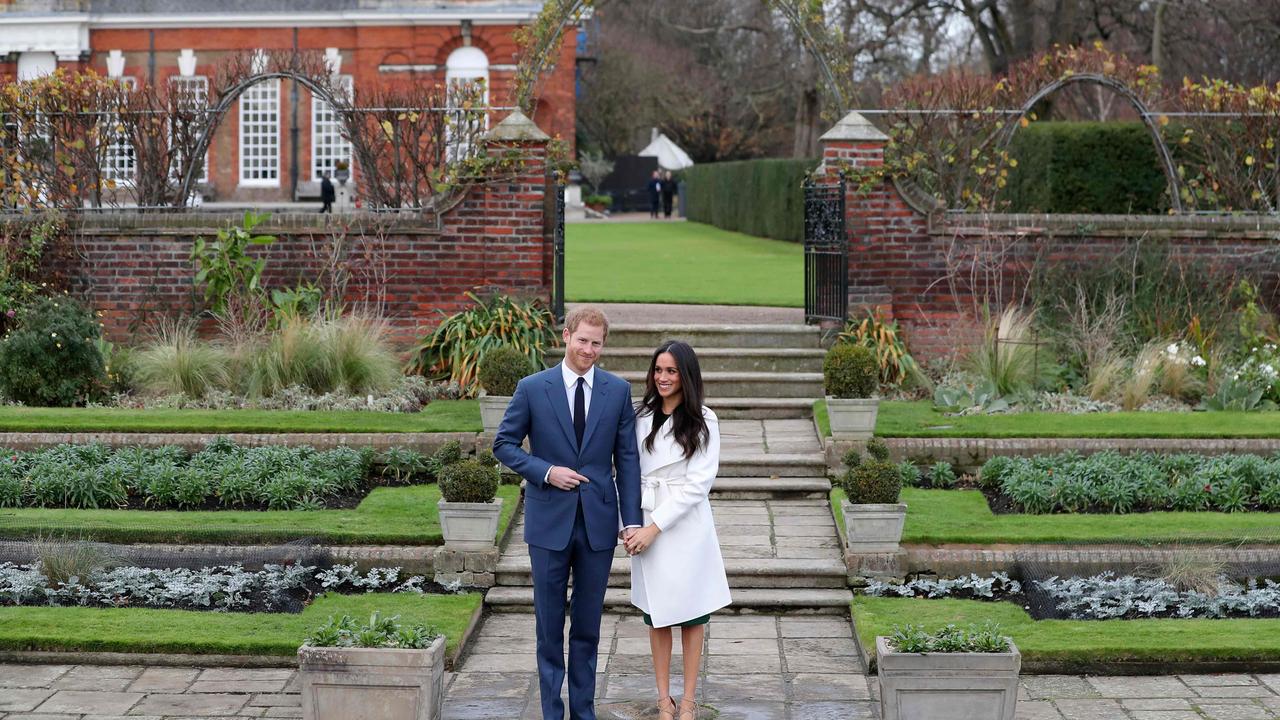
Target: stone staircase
x=749, y=371
x=776, y=532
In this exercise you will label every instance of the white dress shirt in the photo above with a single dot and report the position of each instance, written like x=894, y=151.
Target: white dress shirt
x=571, y=386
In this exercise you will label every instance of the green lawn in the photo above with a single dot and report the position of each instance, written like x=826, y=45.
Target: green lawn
x=185, y=631
x=392, y=516
x=919, y=419
x=439, y=416
x=680, y=262
x=962, y=517
x=1079, y=641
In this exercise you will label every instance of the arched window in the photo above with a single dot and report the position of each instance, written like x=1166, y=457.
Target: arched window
x=466, y=65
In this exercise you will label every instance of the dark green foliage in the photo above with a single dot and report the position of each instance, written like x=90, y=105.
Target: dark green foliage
x=873, y=481
x=94, y=476
x=910, y=473
x=469, y=481
x=52, y=358
x=942, y=476
x=764, y=198
x=501, y=369
x=448, y=454
x=850, y=371
x=1086, y=167
x=992, y=472
x=877, y=450
x=400, y=465
x=852, y=458
x=1109, y=481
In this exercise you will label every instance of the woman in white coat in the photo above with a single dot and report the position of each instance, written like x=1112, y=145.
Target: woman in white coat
x=677, y=573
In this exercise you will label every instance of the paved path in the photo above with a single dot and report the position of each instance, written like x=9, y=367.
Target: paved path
x=763, y=668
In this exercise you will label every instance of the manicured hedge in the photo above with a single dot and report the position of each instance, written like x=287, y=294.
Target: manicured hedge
x=1085, y=167
x=764, y=198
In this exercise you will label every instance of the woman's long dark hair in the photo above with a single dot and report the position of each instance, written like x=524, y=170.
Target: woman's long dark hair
x=687, y=424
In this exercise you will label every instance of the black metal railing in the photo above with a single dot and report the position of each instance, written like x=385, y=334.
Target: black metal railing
x=557, y=251
x=826, y=253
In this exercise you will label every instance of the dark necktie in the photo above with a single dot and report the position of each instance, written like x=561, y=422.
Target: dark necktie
x=580, y=411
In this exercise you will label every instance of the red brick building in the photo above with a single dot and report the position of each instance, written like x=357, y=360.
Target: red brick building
x=277, y=140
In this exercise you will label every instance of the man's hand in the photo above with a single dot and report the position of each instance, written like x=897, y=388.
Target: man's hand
x=641, y=538
x=564, y=478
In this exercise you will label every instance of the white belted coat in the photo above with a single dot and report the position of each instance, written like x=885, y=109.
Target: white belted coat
x=681, y=575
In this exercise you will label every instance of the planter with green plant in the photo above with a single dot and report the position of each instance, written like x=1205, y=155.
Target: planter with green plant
x=599, y=203
x=953, y=673
x=378, y=670
x=469, y=510
x=501, y=370
x=851, y=375
x=873, y=516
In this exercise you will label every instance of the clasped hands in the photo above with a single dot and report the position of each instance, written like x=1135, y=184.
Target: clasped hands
x=637, y=540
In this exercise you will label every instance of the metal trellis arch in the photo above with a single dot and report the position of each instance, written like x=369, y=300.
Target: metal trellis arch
x=1005, y=134
x=215, y=114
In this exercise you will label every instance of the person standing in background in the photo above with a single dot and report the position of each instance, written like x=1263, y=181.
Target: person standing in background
x=655, y=193
x=327, y=194
x=668, y=194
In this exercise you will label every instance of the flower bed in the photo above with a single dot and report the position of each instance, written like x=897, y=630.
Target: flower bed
x=223, y=475
x=275, y=588
x=1102, y=597
x=1111, y=482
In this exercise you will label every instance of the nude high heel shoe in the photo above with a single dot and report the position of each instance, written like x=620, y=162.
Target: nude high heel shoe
x=688, y=709
x=666, y=709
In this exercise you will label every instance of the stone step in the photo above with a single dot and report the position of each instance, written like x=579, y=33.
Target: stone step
x=747, y=408
x=825, y=601
x=712, y=359
x=746, y=384
x=758, y=464
x=515, y=571
x=708, y=336
x=771, y=488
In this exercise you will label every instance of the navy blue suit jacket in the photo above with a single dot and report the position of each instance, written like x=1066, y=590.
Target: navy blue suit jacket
x=540, y=410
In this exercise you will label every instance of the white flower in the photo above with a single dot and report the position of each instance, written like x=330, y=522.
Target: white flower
x=1198, y=361
x=1172, y=349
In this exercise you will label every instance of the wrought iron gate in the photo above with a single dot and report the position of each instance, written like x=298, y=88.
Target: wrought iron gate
x=826, y=253
x=557, y=253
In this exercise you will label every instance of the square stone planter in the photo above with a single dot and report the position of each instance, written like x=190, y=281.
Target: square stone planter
x=873, y=527
x=852, y=418
x=372, y=683
x=947, y=686
x=492, y=408
x=470, y=526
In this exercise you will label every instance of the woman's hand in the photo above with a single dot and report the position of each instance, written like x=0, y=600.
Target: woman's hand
x=641, y=539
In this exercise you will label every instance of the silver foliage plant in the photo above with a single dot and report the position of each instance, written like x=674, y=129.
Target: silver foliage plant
x=223, y=588
x=1106, y=596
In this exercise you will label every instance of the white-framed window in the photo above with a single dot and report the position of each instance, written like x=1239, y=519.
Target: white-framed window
x=465, y=66
x=118, y=162
x=328, y=146
x=260, y=134
x=192, y=91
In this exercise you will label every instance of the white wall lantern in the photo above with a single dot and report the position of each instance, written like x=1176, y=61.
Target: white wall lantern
x=115, y=64
x=187, y=63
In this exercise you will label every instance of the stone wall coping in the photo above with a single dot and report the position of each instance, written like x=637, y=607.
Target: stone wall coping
x=517, y=127
x=854, y=127
x=197, y=440
x=207, y=222
x=1251, y=226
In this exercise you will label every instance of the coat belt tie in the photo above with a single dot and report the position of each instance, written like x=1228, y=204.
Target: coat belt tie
x=649, y=486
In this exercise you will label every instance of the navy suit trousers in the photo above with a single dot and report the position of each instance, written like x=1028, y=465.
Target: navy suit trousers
x=551, y=572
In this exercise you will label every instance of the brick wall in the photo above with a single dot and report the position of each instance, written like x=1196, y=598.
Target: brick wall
x=933, y=270
x=136, y=268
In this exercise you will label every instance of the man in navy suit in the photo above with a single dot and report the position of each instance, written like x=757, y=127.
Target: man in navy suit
x=581, y=429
